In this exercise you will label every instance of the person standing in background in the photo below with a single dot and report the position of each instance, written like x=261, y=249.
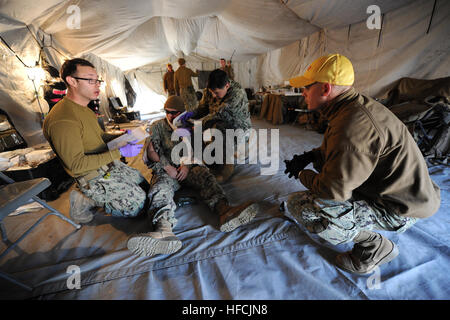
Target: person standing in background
x=224, y=66
x=184, y=87
x=168, y=81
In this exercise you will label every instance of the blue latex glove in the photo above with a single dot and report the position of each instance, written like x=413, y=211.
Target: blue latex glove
x=131, y=149
x=185, y=117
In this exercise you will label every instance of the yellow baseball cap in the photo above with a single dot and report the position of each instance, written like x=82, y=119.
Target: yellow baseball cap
x=333, y=68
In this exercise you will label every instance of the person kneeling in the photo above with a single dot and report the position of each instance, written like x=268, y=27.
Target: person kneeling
x=370, y=172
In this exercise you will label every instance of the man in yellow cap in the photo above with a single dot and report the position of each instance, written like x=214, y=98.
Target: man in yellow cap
x=370, y=172
x=183, y=85
x=168, y=176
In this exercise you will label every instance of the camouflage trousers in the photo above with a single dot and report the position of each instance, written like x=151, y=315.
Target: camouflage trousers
x=345, y=219
x=240, y=144
x=117, y=190
x=162, y=191
x=189, y=97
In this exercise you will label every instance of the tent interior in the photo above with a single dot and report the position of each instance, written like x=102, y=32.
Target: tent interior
x=269, y=42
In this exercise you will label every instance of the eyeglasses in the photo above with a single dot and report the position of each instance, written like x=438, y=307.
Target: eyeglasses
x=309, y=85
x=91, y=81
x=172, y=112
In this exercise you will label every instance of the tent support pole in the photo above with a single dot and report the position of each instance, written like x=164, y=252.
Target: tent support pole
x=381, y=30
x=431, y=18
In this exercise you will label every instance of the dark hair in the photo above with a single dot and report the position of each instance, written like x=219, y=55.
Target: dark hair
x=217, y=79
x=69, y=67
x=52, y=71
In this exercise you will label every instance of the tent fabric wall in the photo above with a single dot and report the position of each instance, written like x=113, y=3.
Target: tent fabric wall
x=405, y=49
x=272, y=41
x=17, y=93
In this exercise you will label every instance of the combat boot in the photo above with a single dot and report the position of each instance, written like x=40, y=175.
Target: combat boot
x=371, y=249
x=82, y=208
x=224, y=174
x=160, y=241
x=232, y=217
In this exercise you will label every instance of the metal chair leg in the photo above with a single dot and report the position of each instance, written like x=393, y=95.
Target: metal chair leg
x=14, y=280
x=56, y=213
x=12, y=246
x=3, y=231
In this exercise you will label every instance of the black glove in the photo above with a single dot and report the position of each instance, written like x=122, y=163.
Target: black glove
x=298, y=163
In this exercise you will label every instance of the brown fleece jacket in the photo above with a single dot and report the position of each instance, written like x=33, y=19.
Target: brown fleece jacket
x=368, y=153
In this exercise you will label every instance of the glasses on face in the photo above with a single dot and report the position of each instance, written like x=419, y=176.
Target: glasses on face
x=172, y=112
x=309, y=86
x=91, y=81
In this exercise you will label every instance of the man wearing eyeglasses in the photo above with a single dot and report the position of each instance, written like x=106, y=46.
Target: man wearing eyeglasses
x=370, y=173
x=168, y=176
x=73, y=132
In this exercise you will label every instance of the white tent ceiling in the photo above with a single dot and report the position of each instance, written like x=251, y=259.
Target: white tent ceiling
x=130, y=34
x=272, y=40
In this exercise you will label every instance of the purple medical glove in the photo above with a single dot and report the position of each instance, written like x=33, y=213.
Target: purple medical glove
x=185, y=117
x=183, y=132
x=130, y=150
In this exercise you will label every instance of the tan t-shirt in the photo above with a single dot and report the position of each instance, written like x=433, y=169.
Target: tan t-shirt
x=76, y=137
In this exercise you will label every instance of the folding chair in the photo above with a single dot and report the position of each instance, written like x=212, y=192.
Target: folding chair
x=15, y=194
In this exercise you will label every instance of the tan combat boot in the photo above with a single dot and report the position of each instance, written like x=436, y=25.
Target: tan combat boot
x=160, y=241
x=82, y=208
x=371, y=249
x=233, y=217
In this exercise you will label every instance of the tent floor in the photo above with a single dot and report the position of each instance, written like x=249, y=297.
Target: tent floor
x=270, y=258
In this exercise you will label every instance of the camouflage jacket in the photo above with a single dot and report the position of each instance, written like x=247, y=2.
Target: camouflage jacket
x=229, y=70
x=208, y=101
x=231, y=110
x=161, y=138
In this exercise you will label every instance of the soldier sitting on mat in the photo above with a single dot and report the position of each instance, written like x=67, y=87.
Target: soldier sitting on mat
x=75, y=135
x=168, y=177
